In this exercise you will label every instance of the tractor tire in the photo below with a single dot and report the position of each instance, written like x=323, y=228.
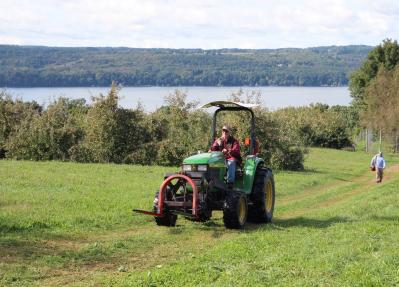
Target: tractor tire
x=263, y=197
x=235, y=210
x=205, y=212
x=169, y=219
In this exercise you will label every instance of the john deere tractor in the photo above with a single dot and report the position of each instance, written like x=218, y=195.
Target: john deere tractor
x=200, y=186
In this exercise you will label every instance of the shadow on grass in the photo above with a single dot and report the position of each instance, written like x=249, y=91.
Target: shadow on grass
x=385, y=218
x=215, y=226
x=342, y=179
x=308, y=222
x=15, y=228
x=218, y=229
x=20, y=250
x=302, y=172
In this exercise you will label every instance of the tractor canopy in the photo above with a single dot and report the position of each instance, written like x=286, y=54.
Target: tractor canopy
x=226, y=104
x=233, y=106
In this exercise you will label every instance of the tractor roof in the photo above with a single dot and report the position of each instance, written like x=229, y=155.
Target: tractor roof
x=225, y=104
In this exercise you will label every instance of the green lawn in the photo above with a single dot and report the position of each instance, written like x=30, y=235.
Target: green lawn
x=71, y=224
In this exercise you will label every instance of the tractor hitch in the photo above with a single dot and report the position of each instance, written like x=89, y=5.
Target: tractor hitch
x=168, y=198
x=148, y=212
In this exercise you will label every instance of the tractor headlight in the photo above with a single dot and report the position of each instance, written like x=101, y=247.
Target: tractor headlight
x=194, y=167
x=202, y=167
x=187, y=167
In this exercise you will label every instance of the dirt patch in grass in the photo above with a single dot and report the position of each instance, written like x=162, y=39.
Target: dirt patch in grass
x=15, y=206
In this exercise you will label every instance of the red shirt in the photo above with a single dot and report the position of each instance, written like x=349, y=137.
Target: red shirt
x=231, y=145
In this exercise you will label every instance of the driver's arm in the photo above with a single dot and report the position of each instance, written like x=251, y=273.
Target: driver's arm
x=217, y=145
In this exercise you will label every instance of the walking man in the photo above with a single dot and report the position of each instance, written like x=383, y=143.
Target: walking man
x=379, y=167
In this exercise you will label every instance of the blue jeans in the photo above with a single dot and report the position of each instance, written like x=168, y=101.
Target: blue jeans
x=231, y=170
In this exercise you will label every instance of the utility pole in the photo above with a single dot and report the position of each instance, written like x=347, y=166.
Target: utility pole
x=367, y=140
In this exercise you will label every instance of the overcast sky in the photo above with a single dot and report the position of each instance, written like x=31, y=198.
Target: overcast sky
x=198, y=24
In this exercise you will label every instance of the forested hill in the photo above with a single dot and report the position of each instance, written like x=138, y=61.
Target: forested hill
x=35, y=66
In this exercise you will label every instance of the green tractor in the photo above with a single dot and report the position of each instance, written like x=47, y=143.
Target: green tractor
x=200, y=186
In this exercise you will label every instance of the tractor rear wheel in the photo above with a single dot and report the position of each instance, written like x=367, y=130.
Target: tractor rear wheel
x=263, y=197
x=235, y=210
x=169, y=219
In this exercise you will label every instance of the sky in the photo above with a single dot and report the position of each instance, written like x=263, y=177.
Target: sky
x=206, y=24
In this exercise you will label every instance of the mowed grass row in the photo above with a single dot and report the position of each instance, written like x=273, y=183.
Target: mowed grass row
x=71, y=224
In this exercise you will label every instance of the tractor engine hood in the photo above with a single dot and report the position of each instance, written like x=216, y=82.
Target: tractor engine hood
x=212, y=159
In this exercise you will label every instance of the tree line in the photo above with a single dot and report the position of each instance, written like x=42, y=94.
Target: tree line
x=103, y=131
x=375, y=89
x=30, y=66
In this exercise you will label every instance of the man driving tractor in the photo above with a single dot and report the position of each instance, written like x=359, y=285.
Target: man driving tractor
x=231, y=150
x=198, y=189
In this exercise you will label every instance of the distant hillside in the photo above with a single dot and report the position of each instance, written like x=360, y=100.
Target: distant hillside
x=35, y=66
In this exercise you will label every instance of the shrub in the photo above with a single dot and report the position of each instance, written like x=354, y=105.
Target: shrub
x=171, y=152
x=80, y=153
x=105, y=132
x=46, y=136
x=12, y=114
x=289, y=158
x=146, y=154
x=318, y=125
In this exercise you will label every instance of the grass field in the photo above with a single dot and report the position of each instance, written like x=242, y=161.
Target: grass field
x=71, y=224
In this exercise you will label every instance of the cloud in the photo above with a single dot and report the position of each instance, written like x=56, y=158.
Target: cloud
x=198, y=24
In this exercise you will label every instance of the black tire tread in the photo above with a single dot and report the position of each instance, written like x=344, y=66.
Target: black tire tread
x=168, y=219
x=257, y=212
x=230, y=212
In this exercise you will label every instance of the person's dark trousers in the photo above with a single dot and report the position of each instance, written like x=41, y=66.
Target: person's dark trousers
x=379, y=174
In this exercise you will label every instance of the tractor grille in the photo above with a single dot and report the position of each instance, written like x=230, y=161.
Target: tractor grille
x=198, y=178
x=195, y=174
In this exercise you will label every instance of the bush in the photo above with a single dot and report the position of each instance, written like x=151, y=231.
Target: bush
x=105, y=132
x=318, y=125
x=12, y=114
x=80, y=153
x=279, y=150
x=289, y=158
x=171, y=152
x=47, y=135
x=146, y=154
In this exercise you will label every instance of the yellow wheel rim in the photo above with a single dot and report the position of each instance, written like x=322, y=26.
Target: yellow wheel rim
x=269, y=196
x=242, y=211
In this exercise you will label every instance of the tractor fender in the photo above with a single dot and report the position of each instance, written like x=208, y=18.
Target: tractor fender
x=251, y=165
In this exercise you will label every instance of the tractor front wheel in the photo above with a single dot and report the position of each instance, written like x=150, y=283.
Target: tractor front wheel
x=235, y=210
x=263, y=197
x=169, y=219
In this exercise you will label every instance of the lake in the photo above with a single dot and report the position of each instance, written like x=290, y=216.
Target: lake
x=153, y=97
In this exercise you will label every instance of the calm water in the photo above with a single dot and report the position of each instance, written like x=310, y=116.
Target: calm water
x=153, y=97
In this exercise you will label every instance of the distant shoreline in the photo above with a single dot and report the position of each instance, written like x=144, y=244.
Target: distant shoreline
x=177, y=87
x=153, y=97
x=36, y=66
